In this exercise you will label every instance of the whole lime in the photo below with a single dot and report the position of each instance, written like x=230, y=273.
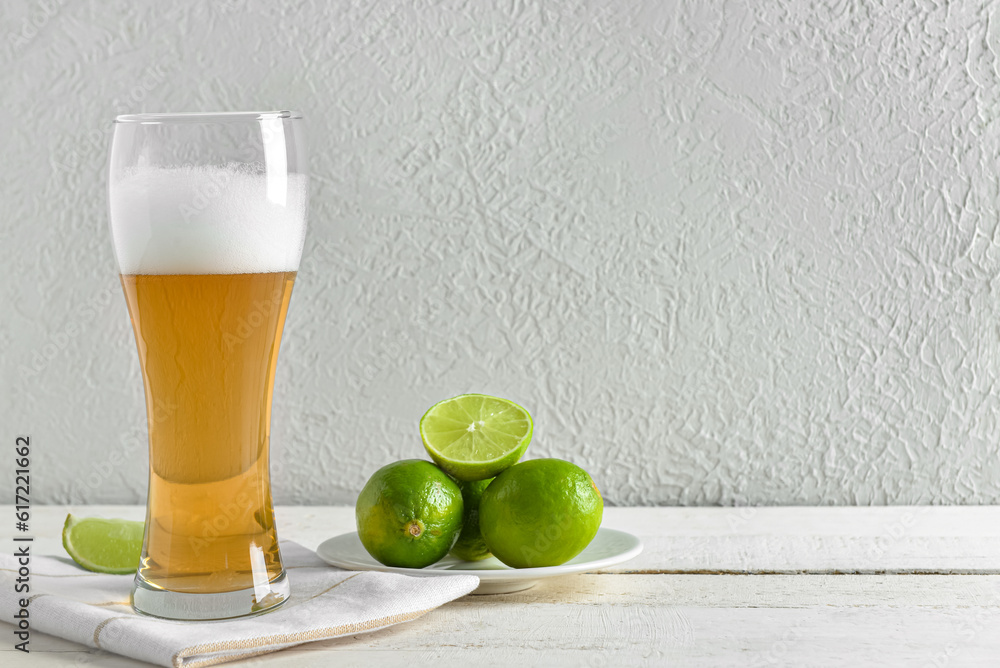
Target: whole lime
x=470, y=545
x=541, y=512
x=409, y=514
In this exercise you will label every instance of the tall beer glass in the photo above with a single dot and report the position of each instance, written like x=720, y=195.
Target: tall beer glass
x=208, y=218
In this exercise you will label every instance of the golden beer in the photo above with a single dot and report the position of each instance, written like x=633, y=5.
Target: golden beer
x=208, y=348
x=208, y=220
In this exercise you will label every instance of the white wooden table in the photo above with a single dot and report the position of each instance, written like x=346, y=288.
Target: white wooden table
x=714, y=587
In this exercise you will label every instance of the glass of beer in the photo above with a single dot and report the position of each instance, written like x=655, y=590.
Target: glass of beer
x=208, y=218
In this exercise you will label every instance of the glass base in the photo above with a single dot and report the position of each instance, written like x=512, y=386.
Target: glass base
x=148, y=599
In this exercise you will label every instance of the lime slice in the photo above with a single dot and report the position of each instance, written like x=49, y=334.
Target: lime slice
x=104, y=546
x=475, y=436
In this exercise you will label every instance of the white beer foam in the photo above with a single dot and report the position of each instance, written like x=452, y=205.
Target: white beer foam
x=207, y=220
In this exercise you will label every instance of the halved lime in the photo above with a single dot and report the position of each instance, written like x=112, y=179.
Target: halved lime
x=103, y=546
x=475, y=436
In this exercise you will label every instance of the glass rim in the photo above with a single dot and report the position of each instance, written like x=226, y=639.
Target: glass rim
x=208, y=117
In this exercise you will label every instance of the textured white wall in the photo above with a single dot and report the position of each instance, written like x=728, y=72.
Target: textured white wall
x=724, y=252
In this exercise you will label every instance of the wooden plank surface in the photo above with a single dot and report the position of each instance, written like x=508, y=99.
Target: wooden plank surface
x=656, y=618
x=691, y=620
x=947, y=540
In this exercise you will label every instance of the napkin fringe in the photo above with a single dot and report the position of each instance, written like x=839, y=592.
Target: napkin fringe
x=285, y=640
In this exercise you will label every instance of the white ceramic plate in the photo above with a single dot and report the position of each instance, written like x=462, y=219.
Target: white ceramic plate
x=608, y=548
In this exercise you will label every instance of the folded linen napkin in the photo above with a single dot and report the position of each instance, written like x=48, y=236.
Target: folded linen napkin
x=326, y=602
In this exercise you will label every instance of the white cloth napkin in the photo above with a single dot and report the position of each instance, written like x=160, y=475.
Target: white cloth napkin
x=326, y=602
